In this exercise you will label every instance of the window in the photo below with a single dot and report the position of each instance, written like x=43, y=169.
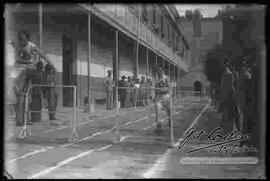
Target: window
x=154, y=16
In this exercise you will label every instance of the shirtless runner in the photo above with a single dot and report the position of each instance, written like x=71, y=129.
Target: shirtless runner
x=162, y=99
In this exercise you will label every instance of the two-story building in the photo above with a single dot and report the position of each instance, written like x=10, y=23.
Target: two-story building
x=84, y=41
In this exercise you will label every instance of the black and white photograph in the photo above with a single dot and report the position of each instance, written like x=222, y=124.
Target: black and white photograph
x=134, y=91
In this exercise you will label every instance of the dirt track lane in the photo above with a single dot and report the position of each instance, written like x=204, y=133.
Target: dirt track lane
x=138, y=150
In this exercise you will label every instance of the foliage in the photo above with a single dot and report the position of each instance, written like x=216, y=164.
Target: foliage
x=197, y=14
x=189, y=14
x=193, y=15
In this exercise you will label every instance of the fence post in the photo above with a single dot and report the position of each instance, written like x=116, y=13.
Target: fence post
x=74, y=134
x=172, y=141
x=117, y=133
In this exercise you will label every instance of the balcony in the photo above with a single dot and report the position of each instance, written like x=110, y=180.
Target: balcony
x=126, y=18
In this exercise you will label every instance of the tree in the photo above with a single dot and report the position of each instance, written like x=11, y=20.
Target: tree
x=224, y=11
x=197, y=14
x=213, y=64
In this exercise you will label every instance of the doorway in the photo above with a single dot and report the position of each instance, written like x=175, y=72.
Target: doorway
x=69, y=55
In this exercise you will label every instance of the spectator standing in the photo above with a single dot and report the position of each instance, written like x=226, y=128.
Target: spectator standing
x=227, y=93
x=142, y=92
x=109, y=84
x=137, y=86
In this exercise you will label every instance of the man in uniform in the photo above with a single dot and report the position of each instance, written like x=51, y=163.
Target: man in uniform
x=130, y=91
x=163, y=97
x=122, y=91
x=142, y=92
x=50, y=91
x=109, y=84
x=25, y=66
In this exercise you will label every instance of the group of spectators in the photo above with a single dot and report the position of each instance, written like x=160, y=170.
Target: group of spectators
x=236, y=97
x=132, y=92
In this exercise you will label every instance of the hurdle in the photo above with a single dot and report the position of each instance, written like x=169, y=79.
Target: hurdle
x=147, y=108
x=25, y=131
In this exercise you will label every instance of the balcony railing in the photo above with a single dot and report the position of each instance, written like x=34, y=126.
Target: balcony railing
x=126, y=18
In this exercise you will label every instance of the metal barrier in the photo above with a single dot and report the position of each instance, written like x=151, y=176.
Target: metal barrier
x=148, y=105
x=25, y=132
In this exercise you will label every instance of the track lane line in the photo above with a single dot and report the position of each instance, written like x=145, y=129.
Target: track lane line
x=70, y=159
x=65, y=145
x=48, y=170
x=159, y=164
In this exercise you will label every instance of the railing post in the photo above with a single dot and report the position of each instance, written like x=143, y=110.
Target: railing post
x=40, y=21
x=89, y=62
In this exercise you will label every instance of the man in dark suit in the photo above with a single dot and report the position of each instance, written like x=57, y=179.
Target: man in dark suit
x=227, y=98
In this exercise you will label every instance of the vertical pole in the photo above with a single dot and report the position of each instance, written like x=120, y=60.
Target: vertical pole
x=137, y=45
x=156, y=69
x=169, y=67
x=117, y=134
x=174, y=81
x=137, y=59
x=172, y=141
x=89, y=61
x=163, y=64
x=40, y=21
x=74, y=134
x=178, y=76
x=147, y=65
x=147, y=91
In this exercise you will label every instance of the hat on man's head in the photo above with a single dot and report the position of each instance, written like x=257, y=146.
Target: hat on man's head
x=109, y=71
x=123, y=77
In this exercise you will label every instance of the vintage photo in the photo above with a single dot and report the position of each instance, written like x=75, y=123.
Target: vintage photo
x=124, y=91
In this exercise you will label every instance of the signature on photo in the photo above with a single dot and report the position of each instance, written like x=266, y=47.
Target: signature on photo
x=217, y=142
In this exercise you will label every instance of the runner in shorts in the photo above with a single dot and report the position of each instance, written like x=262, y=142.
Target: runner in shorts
x=162, y=99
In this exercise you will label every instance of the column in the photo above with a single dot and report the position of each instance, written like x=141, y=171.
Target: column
x=40, y=21
x=117, y=68
x=147, y=64
x=89, y=59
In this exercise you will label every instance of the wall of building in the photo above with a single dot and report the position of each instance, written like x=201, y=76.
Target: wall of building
x=211, y=34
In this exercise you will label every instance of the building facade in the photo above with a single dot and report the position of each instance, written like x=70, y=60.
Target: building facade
x=202, y=35
x=84, y=41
